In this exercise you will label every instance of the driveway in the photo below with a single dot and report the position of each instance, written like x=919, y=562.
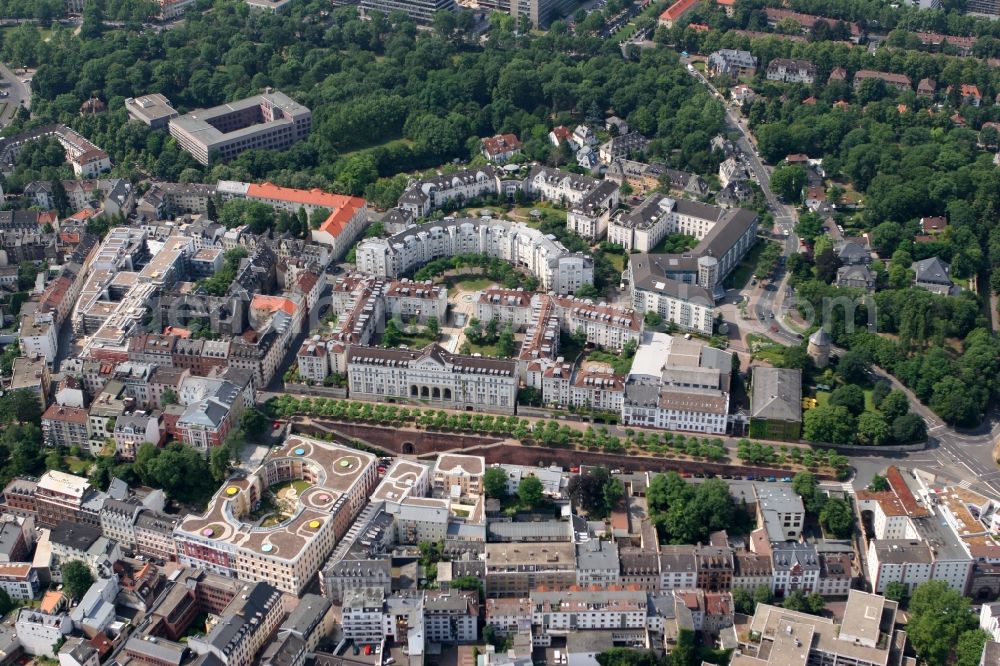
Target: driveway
x=17, y=93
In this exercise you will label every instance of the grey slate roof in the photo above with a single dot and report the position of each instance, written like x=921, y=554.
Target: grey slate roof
x=932, y=271
x=776, y=394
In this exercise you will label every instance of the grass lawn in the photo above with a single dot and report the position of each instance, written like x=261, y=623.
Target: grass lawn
x=78, y=466
x=620, y=364
x=616, y=260
x=823, y=397
x=485, y=350
x=744, y=270
x=468, y=284
x=388, y=144
x=415, y=341
x=524, y=212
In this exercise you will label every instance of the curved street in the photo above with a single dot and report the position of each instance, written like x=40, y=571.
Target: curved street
x=963, y=457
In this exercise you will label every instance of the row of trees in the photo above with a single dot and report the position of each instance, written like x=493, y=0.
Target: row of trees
x=757, y=453
x=545, y=433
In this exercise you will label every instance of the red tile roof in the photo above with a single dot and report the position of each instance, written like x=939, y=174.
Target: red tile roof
x=930, y=224
x=501, y=143
x=67, y=414
x=678, y=9
x=970, y=91
x=561, y=133
x=83, y=215
x=806, y=20
x=307, y=281
x=888, y=77
x=342, y=208
x=272, y=304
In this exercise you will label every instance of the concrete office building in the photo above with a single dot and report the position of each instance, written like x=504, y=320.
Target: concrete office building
x=270, y=121
x=153, y=110
x=540, y=13
x=421, y=11
x=678, y=384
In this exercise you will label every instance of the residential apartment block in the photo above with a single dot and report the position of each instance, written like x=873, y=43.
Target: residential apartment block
x=288, y=554
x=682, y=288
x=556, y=268
x=791, y=71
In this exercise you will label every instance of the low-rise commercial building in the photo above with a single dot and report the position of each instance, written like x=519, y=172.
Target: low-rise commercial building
x=678, y=384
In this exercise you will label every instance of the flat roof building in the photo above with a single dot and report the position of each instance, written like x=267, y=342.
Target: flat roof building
x=270, y=121
x=153, y=109
x=289, y=548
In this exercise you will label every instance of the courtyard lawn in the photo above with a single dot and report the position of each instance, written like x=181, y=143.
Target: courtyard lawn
x=620, y=364
x=674, y=244
x=471, y=283
x=78, y=466
x=485, y=350
x=416, y=340
x=616, y=260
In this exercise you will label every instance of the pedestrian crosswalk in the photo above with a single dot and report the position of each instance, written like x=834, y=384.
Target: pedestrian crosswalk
x=965, y=484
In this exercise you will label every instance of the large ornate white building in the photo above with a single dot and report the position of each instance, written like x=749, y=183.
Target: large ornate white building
x=423, y=196
x=557, y=269
x=433, y=376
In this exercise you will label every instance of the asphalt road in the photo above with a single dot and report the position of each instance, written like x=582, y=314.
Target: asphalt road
x=17, y=94
x=962, y=457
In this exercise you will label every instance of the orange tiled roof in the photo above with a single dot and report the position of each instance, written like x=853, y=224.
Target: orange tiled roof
x=561, y=132
x=273, y=304
x=51, y=602
x=678, y=9
x=342, y=207
x=903, y=493
x=83, y=215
